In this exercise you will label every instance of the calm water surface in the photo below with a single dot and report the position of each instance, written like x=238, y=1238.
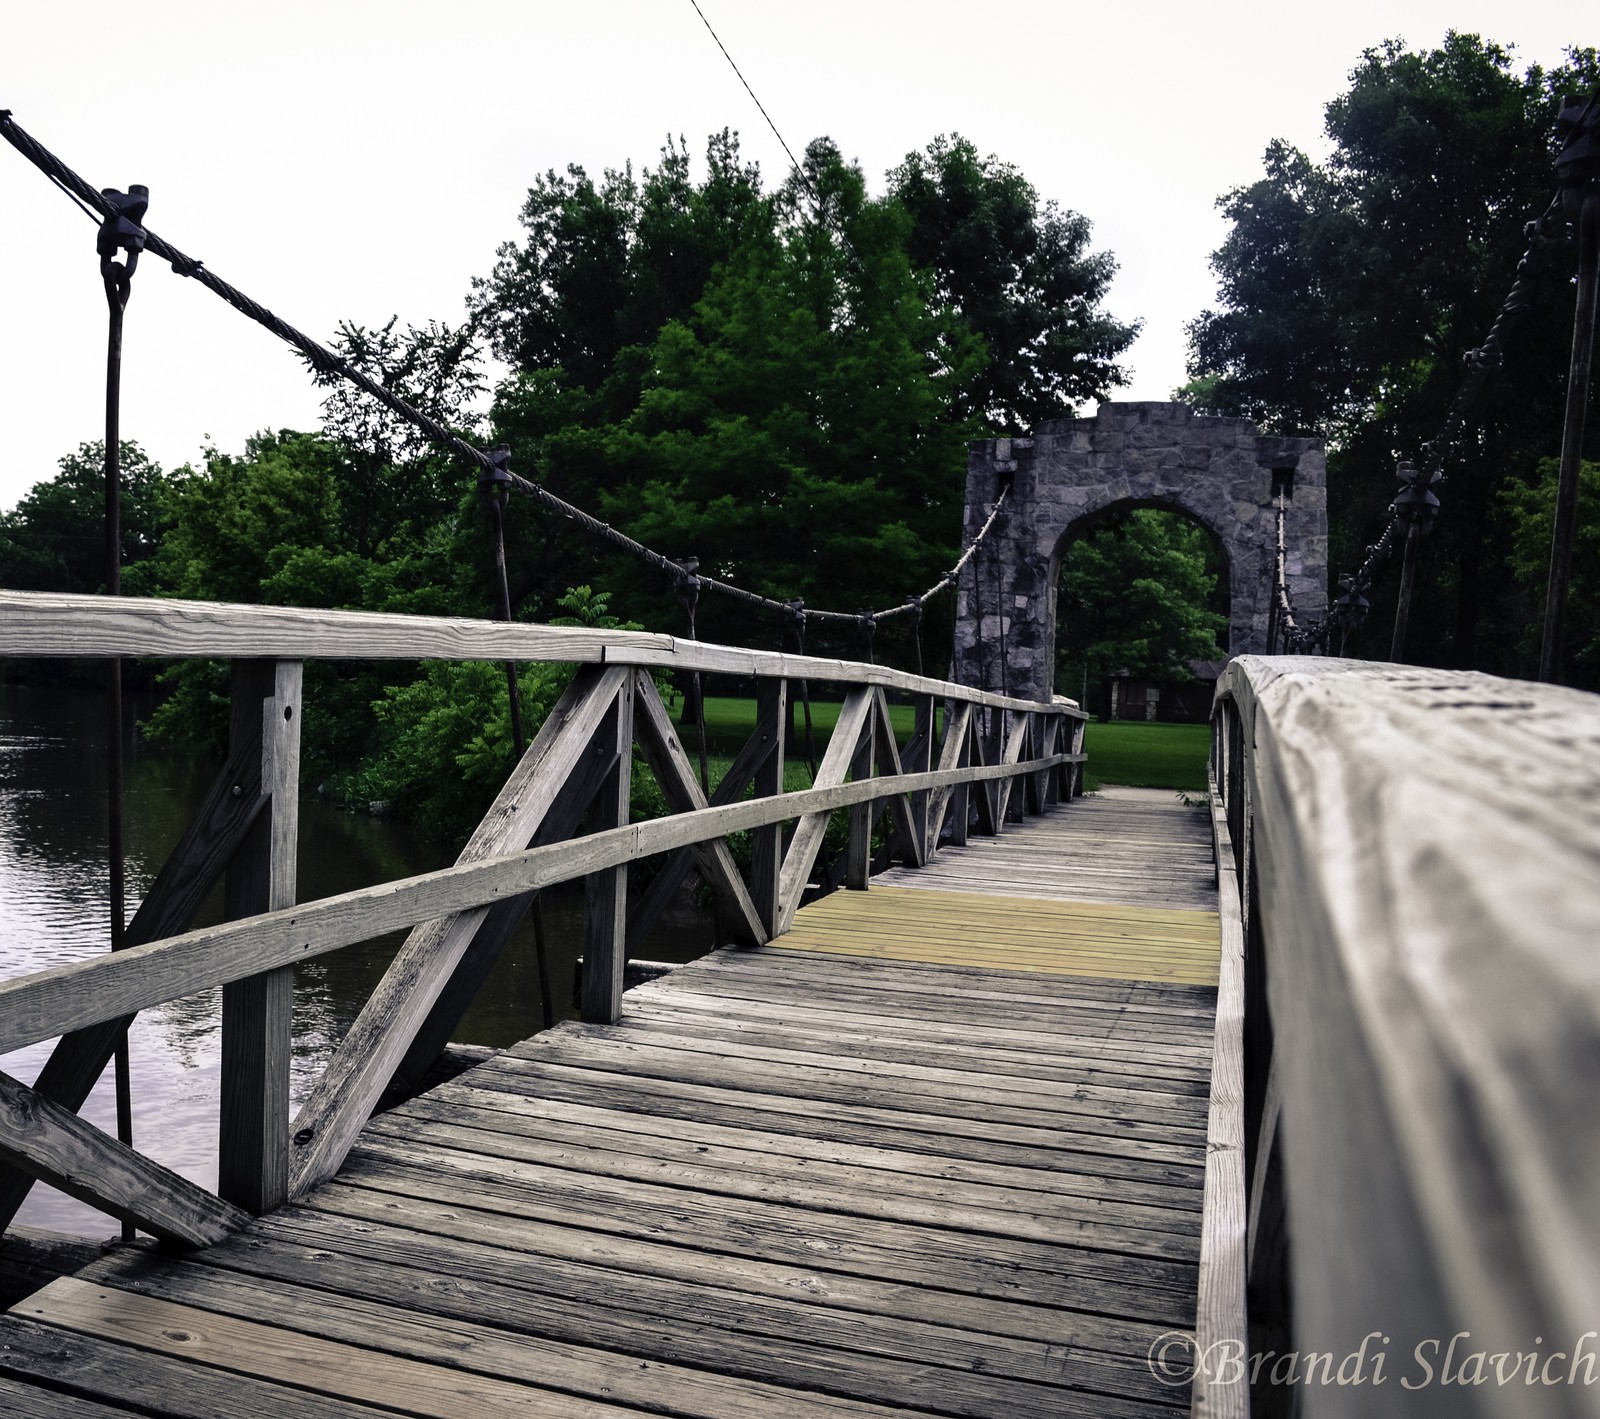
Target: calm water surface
x=54, y=909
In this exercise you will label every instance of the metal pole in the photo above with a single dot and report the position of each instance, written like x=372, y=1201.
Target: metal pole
x=120, y=232
x=1578, y=379
x=1402, y=610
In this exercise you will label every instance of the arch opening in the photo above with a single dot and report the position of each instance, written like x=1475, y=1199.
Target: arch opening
x=1140, y=609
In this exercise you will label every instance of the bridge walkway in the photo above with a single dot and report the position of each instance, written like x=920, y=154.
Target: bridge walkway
x=938, y=1151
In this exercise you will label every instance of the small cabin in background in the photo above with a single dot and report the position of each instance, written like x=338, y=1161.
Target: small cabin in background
x=1126, y=696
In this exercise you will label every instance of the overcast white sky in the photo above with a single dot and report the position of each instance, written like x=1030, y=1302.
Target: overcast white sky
x=353, y=159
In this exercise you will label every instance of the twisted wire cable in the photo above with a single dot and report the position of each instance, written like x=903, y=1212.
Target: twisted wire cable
x=326, y=362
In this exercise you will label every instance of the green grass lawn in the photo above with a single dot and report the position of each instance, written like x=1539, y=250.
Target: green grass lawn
x=1147, y=755
x=731, y=720
x=1128, y=751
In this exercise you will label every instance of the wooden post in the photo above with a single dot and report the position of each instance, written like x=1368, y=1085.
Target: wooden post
x=955, y=753
x=253, y=1156
x=918, y=757
x=605, y=918
x=858, y=855
x=1054, y=742
x=766, y=869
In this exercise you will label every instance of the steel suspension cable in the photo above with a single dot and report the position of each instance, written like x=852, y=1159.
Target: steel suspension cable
x=326, y=362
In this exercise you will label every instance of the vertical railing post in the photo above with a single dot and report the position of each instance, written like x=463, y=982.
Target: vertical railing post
x=605, y=918
x=257, y=1026
x=858, y=855
x=1053, y=739
x=960, y=812
x=1038, y=738
x=919, y=758
x=766, y=847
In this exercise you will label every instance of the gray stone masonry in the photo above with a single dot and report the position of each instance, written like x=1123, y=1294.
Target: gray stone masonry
x=1074, y=472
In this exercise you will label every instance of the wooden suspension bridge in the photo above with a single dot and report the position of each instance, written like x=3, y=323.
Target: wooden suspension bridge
x=1094, y=1107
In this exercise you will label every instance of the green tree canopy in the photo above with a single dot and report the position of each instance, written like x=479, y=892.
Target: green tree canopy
x=1021, y=277
x=782, y=383
x=55, y=539
x=1141, y=594
x=1351, y=291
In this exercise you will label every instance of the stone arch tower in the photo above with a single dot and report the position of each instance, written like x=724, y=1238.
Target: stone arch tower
x=1220, y=472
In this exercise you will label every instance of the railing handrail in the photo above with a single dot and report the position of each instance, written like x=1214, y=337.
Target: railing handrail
x=68, y=997
x=1419, y=855
x=48, y=624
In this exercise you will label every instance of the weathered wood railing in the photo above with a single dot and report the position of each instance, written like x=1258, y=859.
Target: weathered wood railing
x=1409, y=1043
x=995, y=758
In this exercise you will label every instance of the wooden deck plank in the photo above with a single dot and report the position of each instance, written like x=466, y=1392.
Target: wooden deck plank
x=647, y=1133
x=836, y=1187
x=668, y=1106
x=51, y=1359
x=489, y=1235
x=1085, y=1134
x=690, y=1188
x=1002, y=1268
x=983, y=930
x=851, y=1356
x=941, y=1152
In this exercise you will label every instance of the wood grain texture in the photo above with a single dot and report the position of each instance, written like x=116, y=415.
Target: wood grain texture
x=681, y=787
x=1095, y=849
x=863, y=765
x=605, y=892
x=50, y=624
x=257, y=1026
x=382, y=1033
x=754, y=757
x=1428, y=850
x=785, y=1182
x=55, y=1146
x=559, y=823
x=224, y=819
x=1221, y=1322
x=1016, y=933
x=854, y=721
x=952, y=755
x=766, y=844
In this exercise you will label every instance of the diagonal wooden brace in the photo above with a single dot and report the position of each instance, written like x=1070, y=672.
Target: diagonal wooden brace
x=653, y=727
x=378, y=1041
x=756, y=755
x=559, y=824
x=952, y=755
x=53, y=1145
x=852, y=724
x=906, y=839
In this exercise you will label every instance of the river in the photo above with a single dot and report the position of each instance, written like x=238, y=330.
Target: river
x=54, y=909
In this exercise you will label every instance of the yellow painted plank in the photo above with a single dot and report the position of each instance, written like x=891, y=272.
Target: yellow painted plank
x=1109, y=942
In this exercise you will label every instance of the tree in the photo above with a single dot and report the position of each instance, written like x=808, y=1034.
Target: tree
x=795, y=432
x=604, y=266
x=395, y=483
x=54, y=539
x=1139, y=594
x=1021, y=277
x=1351, y=292
x=1531, y=507
x=779, y=383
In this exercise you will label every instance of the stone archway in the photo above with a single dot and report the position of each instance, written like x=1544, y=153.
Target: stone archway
x=1218, y=471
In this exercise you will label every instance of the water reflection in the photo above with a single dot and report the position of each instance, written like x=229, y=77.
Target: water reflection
x=53, y=909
